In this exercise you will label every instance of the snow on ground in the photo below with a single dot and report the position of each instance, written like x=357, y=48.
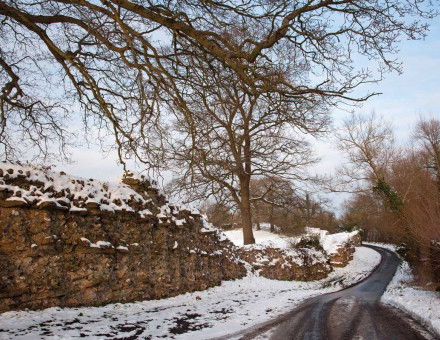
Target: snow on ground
x=364, y=261
x=262, y=236
x=231, y=307
x=421, y=304
x=331, y=242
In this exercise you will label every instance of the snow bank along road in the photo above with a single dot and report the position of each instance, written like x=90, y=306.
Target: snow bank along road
x=352, y=313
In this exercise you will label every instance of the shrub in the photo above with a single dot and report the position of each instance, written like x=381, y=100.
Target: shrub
x=310, y=242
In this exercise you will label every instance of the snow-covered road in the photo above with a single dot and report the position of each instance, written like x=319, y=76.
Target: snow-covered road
x=422, y=305
x=233, y=306
x=353, y=313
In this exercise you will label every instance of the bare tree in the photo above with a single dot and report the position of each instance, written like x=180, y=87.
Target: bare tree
x=289, y=208
x=428, y=134
x=368, y=144
x=365, y=210
x=397, y=194
x=233, y=135
x=272, y=196
x=120, y=61
x=219, y=214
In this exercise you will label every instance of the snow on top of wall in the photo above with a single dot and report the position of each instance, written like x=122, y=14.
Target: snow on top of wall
x=295, y=255
x=66, y=191
x=332, y=242
x=41, y=187
x=265, y=239
x=141, y=177
x=210, y=228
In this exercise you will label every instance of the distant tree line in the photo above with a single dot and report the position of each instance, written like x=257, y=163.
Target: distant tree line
x=281, y=207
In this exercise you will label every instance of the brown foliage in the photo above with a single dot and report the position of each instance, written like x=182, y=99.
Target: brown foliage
x=412, y=177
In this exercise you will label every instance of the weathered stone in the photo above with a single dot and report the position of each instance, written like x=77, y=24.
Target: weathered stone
x=10, y=203
x=344, y=253
x=278, y=264
x=45, y=263
x=47, y=205
x=92, y=205
x=356, y=240
x=89, y=257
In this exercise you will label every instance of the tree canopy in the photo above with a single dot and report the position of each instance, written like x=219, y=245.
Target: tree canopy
x=116, y=64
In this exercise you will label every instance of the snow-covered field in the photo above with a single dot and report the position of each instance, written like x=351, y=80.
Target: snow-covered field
x=233, y=306
x=261, y=236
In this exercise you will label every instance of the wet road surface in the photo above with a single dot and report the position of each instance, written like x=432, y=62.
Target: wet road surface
x=352, y=313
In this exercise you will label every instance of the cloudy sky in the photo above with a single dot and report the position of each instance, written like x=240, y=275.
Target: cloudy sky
x=404, y=98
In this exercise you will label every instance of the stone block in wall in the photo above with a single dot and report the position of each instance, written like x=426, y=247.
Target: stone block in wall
x=56, y=258
x=291, y=265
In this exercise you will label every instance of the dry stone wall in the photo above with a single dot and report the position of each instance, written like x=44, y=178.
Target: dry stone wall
x=344, y=253
x=299, y=264
x=65, y=251
x=67, y=241
x=339, y=247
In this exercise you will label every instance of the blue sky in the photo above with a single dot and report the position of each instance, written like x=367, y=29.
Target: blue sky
x=404, y=99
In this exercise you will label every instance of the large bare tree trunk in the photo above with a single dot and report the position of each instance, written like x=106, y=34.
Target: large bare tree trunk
x=245, y=187
x=245, y=209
